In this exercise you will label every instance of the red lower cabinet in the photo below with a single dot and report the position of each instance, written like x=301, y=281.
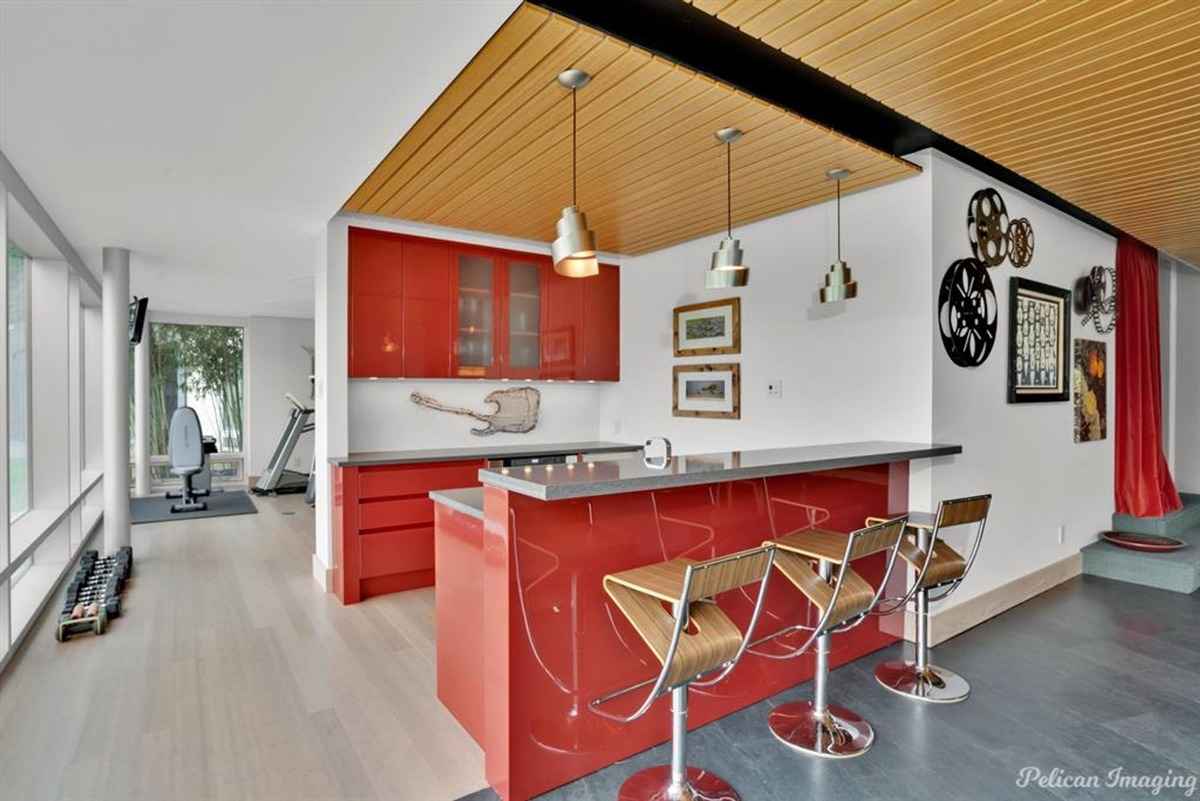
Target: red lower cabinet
x=383, y=525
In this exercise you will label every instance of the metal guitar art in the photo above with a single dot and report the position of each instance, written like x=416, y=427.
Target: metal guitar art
x=516, y=410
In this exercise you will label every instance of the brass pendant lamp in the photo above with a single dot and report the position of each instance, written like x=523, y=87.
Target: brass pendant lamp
x=727, y=269
x=839, y=285
x=574, y=249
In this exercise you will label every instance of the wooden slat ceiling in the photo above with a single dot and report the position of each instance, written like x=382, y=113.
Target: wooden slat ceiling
x=1095, y=100
x=493, y=153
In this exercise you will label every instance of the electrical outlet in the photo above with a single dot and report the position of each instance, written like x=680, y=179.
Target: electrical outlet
x=775, y=388
x=1062, y=534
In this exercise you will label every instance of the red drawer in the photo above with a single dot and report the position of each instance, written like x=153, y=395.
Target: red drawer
x=417, y=479
x=387, y=552
x=388, y=514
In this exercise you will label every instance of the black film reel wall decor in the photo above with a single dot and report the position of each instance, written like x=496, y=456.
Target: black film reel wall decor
x=987, y=227
x=967, y=313
x=1020, y=242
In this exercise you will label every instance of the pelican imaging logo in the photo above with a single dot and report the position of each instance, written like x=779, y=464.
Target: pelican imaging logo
x=1175, y=784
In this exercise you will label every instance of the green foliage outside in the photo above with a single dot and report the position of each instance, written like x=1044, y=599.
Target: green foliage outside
x=196, y=361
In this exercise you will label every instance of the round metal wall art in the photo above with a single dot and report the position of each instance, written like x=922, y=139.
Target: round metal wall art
x=967, y=313
x=987, y=227
x=1020, y=242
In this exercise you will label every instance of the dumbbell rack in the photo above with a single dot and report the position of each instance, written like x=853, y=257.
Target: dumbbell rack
x=94, y=595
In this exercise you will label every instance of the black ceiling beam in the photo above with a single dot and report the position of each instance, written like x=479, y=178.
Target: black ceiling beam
x=683, y=34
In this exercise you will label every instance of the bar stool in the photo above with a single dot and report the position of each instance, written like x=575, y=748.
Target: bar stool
x=844, y=600
x=694, y=640
x=939, y=571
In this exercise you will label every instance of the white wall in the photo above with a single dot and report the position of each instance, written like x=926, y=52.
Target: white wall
x=276, y=362
x=856, y=370
x=1186, y=379
x=1024, y=454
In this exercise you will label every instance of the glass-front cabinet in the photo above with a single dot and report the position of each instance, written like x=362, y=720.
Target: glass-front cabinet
x=523, y=349
x=475, y=334
x=429, y=308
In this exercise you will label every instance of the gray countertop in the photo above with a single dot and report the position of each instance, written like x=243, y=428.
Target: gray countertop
x=556, y=482
x=468, y=501
x=483, y=451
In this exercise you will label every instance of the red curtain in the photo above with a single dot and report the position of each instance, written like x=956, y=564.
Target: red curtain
x=1144, y=487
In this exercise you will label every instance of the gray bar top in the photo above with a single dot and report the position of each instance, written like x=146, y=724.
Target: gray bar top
x=364, y=458
x=630, y=474
x=468, y=501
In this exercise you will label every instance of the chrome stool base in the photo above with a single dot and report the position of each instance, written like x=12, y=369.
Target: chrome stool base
x=937, y=685
x=654, y=784
x=837, y=734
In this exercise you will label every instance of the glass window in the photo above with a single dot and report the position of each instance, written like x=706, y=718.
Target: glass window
x=18, y=381
x=198, y=366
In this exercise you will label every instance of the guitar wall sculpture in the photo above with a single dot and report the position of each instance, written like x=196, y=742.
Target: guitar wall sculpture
x=515, y=412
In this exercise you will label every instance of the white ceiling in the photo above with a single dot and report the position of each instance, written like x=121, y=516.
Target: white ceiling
x=215, y=140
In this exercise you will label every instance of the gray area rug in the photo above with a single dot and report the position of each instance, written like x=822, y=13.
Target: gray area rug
x=157, y=509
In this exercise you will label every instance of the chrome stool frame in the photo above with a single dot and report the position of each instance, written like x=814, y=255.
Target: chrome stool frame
x=939, y=572
x=817, y=727
x=701, y=582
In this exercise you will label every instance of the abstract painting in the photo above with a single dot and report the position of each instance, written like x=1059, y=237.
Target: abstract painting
x=1039, y=330
x=1090, y=386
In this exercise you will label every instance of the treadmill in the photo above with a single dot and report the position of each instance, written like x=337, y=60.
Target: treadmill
x=277, y=479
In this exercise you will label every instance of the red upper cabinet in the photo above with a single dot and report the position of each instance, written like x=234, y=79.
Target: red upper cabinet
x=427, y=309
x=376, y=303
x=424, y=308
x=602, y=326
x=562, y=326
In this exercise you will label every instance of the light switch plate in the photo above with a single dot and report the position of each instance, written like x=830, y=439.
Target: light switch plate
x=775, y=388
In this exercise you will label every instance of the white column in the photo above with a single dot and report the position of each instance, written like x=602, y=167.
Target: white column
x=115, y=347
x=141, y=414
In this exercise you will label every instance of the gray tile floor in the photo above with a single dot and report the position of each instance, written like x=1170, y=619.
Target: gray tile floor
x=1090, y=677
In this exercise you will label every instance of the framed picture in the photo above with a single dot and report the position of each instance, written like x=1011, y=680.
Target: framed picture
x=1039, y=341
x=704, y=329
x=707, y=390
x=1089, y=385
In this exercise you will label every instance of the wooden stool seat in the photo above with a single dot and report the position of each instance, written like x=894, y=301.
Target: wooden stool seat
x=855, y=598
x=945, y=565
x=815, y=543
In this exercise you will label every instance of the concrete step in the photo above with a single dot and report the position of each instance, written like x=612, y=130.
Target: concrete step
x=1166, y=526
x=1178, y=571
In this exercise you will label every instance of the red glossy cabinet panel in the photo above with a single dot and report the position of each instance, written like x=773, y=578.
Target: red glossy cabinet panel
x=425, y=308
x=383, y=524
x=602, y=326
x=562, y=326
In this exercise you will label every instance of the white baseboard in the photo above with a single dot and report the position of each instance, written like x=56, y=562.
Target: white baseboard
x=943, y=625
x=321, y=573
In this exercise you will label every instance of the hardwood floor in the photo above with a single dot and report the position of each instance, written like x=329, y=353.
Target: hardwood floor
x=232, y=677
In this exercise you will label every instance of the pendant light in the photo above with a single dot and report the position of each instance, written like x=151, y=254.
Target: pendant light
x=727, y=269
x=574, y=249
x=839, y=285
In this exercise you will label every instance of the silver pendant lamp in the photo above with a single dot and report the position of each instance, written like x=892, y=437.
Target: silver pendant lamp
x=727, y=269
x=839, y=285
x=574, y=249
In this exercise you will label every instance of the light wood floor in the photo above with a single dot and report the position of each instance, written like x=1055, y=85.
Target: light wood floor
x=233, y=677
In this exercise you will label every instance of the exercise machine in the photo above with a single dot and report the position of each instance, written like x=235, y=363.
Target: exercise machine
x=277, y=478
x=187, y=450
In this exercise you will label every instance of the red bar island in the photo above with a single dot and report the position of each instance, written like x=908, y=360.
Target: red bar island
x=527, y=637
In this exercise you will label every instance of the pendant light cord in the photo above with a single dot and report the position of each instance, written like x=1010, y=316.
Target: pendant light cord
x=839, y=217
x=729, y=189
x=574, y=148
